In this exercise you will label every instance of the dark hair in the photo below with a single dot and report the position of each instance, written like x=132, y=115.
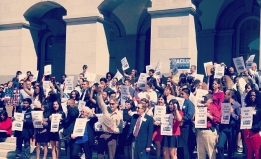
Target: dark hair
x=145, y=100
x=132, y=104
x=119, y=83
x=18, y=72
x=164, y=98
x=64, y=75
x=112, y=92
x=186, y=90
x=174, y=101
x=82, y=74
x=29, y=72
x=84, y=67
x=128, y=80
x=257, y=102
x=182, y=79
x=232, y=93
x=28, y=100
x=41, y=94
x=60, y=109
x=249, y=85
x=4, y=113
x=103, y=79
x=77, y=95
x=190, y=79
x=109, y=73
x=152, y=70
x=218, y=82
x=150, y=84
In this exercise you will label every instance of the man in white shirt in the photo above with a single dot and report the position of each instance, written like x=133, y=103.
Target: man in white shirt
x=149, y=94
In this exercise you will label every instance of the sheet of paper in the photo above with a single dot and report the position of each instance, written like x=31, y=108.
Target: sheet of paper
x=48, y=70
x=159, y=112
x=219, y=71
x=201, y=117
x=239, y=64
x=166, y=125
x=35, y=76
x=124, y=94
x=68, y=82
x=37, y=117
x=79, y=126
x=55, y=122
x=225, y=113
x=125, y=64
x=18, y=123
x=246, y=117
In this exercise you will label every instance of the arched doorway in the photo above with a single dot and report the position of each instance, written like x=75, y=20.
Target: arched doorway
x=238, y=31
x=49, y=37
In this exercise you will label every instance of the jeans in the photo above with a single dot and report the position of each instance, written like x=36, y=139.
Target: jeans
x=19, y=143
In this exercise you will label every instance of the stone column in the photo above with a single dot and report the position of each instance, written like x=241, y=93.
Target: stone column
x=172, y=31
x=86, y=44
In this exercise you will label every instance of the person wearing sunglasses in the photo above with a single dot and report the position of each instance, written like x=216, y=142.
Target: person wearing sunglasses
x=108, y=139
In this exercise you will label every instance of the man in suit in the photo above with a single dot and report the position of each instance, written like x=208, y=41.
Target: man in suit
x=85, y=96
x=140, y=133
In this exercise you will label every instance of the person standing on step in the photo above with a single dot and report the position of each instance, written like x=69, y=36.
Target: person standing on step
x=23, y=137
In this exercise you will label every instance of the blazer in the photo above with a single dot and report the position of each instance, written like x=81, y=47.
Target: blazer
x=28, y=127
x=90, y=129
x=144, y=138
x=69, y=121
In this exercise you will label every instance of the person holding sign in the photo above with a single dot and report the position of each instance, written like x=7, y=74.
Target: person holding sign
x=171, y=143
x=140, y=134
x=206, y=137
x=56, y=117
x=188, y=109
x=218, y=94
x=108, y=139
x=252, y=136
x=229, y=126
x=23, y=137
x=86, y=141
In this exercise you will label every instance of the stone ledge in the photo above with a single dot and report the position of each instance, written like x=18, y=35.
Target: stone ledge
x=173, y=12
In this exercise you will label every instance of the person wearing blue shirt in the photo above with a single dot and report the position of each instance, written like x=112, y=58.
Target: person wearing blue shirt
x=86, y=141
x=186, y=128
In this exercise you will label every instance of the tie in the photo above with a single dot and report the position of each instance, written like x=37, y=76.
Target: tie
x=137, y=127
x=83, y=95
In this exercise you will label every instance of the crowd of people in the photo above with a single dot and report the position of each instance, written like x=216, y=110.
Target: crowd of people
x=135, y=129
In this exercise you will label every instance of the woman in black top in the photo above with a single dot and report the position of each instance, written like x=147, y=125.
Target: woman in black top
x=252, y=136
x=54, y=136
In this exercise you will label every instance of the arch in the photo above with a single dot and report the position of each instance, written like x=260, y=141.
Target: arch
x=36, y=12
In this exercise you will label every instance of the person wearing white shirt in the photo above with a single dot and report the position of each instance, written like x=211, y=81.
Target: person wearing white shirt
x=149, y=94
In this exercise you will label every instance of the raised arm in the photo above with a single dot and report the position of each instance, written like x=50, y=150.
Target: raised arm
x=100, y=101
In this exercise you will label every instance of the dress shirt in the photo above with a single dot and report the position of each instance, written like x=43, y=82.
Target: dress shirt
x=116, y=116
x=235, y=115
x=153, y=96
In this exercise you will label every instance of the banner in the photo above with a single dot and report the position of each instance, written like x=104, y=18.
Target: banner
x=183, y=64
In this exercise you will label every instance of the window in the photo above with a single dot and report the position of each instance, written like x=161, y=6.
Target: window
x=249, y=39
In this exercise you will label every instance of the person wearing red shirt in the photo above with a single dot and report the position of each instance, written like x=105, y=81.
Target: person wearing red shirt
x=5, y=125
x=171, y=143
x=218, y=95
x=207, y=137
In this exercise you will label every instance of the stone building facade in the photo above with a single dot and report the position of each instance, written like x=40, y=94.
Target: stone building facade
x=99, y=33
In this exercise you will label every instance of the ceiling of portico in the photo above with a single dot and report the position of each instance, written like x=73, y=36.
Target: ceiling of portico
x=130, y=13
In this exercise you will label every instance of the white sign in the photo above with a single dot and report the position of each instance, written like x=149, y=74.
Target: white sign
x=125, y=64
x=18, y=123
x=148, y=68
x=124, y=94
x=142, y=81
x=79, y=126
x=91, y=77
x=199, y=77
x=37, y=117
x=225, y=113
x=35, y=76
x=55, y=122
x=200, y=93
x=107, y=121
x=68, y=82
x=205, y=66
x=246, y=117
x=181, y=101
x=81, y=104
x=201, y=117
x=159, y=112
x=239, y=64
x=48, y=70
x=249, y=62
x=219, y=71
x=98, y=124
x=241, y=83
x=118, y=75
x=166, y=125
x=158, y=69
